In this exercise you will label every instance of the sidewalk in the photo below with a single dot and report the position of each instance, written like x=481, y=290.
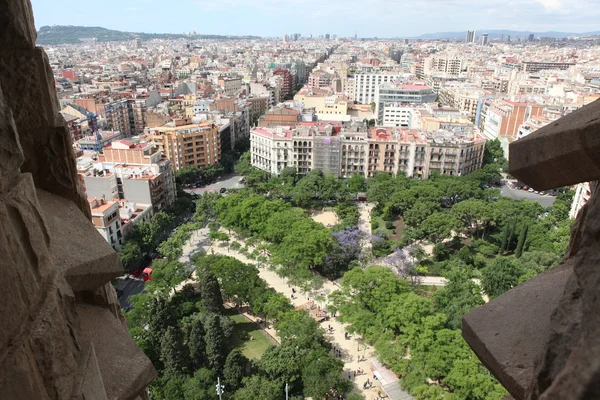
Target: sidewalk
x=349, y=348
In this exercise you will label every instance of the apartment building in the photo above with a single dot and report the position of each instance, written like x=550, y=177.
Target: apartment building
x=263, y=89
x=99, y=140
x=319, y=79
x=106, y=220
x=136, y=110
x=450, y=64
x=582, y=196
x=185, y=143
x=401, y=115
x=346, y=150
x=398, y=93
x=132, y=213
x=230, y=85
x=271, y=149
x=504, y=117
x=135, y=172
x=536, y=66
x=280, y=116
x=366, y=85
x=288, y=80
x=117, y=116
x=327, y=107
x=463, y=97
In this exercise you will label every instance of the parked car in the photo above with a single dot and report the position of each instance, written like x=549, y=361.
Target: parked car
x=525, y=187
x=222, y=190
x=530, y=190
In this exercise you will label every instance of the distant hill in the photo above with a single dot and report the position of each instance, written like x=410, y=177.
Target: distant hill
x=497, y=33
x=64, y=34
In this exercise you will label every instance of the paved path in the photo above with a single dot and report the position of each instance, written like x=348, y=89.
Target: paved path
x=349, y=348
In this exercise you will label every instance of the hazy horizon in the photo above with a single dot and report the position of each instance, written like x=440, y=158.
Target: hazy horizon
x=270, y=18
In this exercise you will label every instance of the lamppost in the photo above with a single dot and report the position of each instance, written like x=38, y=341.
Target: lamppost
x=220, y=388
x=287, y=387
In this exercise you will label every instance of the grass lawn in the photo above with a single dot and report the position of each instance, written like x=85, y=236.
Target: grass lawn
x=399, y=224
x=243, y=331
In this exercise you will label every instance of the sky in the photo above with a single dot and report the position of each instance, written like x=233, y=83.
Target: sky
x=368, y=18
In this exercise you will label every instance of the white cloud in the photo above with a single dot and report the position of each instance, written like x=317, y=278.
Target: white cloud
x=132, y=9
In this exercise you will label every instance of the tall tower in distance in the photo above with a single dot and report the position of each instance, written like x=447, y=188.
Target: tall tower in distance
x=484, y=39
x=470, y=37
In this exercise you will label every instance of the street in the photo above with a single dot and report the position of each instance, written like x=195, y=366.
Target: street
x=227, y=181
x=545, y=201
x=126, y=287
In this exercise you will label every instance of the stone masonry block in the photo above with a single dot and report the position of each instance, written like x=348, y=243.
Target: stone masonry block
x=85, y=258
x=562, y=153
x=125, y=369
x=509, y=333
x=18, y=28
x=11, y=153
x=26, y=263
x=28, y=85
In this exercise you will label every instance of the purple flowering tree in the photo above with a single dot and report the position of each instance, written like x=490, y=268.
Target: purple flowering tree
x=348, y=248
x=401, y=263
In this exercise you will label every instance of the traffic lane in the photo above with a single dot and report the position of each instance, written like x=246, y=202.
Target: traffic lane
x=517, y=194
x=127, y=287
x=227, y=182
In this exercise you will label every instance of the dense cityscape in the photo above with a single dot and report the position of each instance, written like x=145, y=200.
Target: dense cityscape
x=312, y=217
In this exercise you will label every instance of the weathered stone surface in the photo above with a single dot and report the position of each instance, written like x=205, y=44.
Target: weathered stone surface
x=11, y=154
x=104, y=296
x=25, y=263
x=46, y=350
x=570, y=365
x=124, y=367
x=86, y=259
x=28, y=86
x=88, y=381
x=18, y=28
x=562, y=153
x=509, y=332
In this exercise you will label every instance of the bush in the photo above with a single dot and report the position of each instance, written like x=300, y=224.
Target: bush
x=374, y=224
x=389, y=225
x=236, y=245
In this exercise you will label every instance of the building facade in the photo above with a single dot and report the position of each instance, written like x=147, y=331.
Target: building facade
x=345, y=150
x=106, y=220
x=187, y=144
x=366, y=85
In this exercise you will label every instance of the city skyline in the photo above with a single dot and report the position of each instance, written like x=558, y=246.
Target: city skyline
x=271, y=19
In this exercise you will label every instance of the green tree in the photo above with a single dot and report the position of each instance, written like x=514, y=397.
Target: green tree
x=130, y=255
x=196, y=344
x=500, y=275
x=166, y=275
x=357, y=184
x=521, y=242
x=439, y=226
x=209, y=290
x=215, y=342
x=257, y=387
x=493, y=153
x=173, y=353
x=459, y=296
x=301, y=327
x=321, y=372
x=234, y=370
x=201, y=386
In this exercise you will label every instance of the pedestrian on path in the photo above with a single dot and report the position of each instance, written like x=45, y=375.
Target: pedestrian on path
x=349, y=375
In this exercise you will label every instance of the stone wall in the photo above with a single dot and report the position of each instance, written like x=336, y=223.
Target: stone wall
x=542, y=339
x=63, y=335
